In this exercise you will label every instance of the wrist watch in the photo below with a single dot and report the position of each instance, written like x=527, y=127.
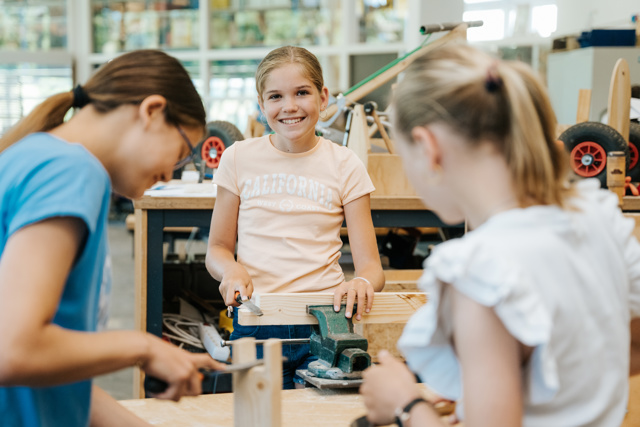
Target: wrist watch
x=404, y=414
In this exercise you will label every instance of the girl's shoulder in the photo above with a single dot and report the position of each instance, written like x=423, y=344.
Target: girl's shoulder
x=338, y=152
x=43, y=150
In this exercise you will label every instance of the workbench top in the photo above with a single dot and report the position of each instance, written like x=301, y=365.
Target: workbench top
x=202, y=196
x=309, y=407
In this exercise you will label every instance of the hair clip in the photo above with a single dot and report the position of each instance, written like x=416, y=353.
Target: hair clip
x=80, y=97
x=493, y=82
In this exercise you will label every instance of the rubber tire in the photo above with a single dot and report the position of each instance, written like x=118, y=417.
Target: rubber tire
x=224, y=130
x=605, y=136
x=634, y=138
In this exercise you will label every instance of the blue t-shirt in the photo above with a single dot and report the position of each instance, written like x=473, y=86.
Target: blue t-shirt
x=42, y=177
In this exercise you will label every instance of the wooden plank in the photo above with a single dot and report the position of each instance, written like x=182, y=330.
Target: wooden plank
x=291, y=308
x=257, y=390
x=631, y=203
x=388, y=176
x=401, y=280
x=195, y=202
x=620, y=98
x=584, y=105
x=305, y=407
x=140, y=291
x=378, y=202
x=244, y=351
x=386, y=336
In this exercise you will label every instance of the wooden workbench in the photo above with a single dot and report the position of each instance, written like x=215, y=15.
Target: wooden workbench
x=193, y=209
x=305, y=407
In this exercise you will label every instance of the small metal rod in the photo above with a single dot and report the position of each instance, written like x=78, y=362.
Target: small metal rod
x=447, y=26
x=226, y=343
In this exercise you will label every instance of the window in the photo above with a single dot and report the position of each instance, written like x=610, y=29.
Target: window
x=24, y=85
x=544, y=19
x=506, y=19
x=493, y=27
x=35, y=26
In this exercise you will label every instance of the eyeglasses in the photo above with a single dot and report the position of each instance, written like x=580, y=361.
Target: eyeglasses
x=192, y=150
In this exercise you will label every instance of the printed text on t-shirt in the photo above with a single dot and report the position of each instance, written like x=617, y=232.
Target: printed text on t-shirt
x=293, y=185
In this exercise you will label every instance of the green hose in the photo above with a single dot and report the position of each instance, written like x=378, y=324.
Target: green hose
x=386, y=67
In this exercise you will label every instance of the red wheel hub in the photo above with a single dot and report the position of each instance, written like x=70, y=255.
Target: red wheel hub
x=211, y=151
x=588, y=159
x=633, y=154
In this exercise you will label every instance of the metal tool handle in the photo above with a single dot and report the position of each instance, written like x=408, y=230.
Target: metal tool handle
x=447, y=26
x=154, y=385
x=226, y=343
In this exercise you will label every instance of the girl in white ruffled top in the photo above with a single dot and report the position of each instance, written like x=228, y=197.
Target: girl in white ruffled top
x=527, y=322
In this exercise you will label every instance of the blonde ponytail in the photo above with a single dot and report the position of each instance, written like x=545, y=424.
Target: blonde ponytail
x=538, y=167
x=483, y=99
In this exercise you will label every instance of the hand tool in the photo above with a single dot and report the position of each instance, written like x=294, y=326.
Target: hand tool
x=290, y=341
x=155, y=385
x=247, y=303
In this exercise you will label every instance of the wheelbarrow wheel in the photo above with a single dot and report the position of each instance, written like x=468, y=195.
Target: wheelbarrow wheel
x=588, y=144
x=220, y=135
x=634, y=144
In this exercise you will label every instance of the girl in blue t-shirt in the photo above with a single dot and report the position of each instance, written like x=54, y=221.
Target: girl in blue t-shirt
x=136, y=120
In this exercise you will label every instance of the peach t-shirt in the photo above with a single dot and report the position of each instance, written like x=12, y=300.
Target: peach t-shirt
x=291, y=211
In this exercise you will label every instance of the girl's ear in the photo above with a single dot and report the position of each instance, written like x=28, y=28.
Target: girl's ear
x=152, y=108
x=324, y=98
x=429, y=145
x=260, y=104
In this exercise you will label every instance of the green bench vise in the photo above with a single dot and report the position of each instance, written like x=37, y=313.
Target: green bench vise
x=342, y=353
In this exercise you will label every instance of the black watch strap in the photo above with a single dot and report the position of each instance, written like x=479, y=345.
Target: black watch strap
x=404, y=415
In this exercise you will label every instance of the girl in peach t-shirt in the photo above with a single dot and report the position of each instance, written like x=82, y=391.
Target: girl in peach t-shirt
x=285, y=196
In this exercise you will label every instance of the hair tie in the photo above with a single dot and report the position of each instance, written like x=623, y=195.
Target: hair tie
x=80, y=97
x=493, y=82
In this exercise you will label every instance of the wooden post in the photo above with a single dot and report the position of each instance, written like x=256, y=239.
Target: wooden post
x=383, y=132
x=257, y=391
x=359, y=134
x=140, y=291
x=620, y=98
x=584, y=105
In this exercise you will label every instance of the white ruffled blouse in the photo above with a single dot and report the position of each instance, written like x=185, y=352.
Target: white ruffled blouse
x=565, y=282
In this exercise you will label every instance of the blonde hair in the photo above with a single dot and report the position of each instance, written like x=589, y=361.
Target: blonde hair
x=289, y=55
x=127, y=79
x=484, y=99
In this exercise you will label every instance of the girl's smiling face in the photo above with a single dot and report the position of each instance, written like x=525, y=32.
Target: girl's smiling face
x=292, y=104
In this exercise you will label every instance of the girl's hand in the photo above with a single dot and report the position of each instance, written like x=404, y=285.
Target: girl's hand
x=387, y=386
x=236, y=280
x=357, y=291
x=179, y=368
